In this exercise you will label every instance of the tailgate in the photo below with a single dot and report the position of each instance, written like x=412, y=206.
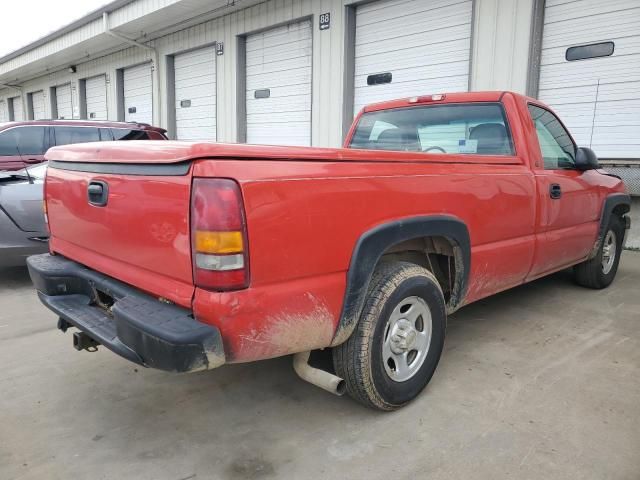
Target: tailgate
x=136, y=230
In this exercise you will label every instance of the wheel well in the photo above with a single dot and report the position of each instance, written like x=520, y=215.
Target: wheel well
x=440, y=255
x=621, y=209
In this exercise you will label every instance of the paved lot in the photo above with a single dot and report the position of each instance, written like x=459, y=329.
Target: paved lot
x=539, y=382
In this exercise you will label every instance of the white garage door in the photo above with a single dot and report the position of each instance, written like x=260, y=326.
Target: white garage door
x=37, y=103
x=4, y=111
x=96, y=97
x=16, y=105
x=64, y=105
x=138, y=94
x=195, y=83
x=279, y=85
x=598, y=94
x=411, y=47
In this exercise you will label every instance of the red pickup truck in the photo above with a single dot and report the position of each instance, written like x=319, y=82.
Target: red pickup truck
x=186, y=256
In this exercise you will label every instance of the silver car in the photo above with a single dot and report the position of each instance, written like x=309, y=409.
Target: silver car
x=22, y=227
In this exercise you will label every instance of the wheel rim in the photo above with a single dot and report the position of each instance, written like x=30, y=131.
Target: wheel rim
x=406, y=339
x=608, y=251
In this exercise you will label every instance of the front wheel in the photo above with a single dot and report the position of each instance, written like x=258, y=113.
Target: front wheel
x=600, y=271
x=394, y=351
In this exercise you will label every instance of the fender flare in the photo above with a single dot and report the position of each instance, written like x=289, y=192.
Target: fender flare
x=373, y=243
x=609, y=205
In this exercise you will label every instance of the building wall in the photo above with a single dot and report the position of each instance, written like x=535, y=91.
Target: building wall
x=500, y=51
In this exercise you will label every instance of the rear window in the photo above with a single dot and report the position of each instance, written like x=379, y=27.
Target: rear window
x=457, y=128
x=69, y=135
x=126, y=134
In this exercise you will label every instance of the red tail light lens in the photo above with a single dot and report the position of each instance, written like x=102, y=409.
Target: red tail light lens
x=218, y=235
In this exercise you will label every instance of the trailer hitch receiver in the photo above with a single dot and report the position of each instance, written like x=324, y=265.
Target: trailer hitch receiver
x=82, y=341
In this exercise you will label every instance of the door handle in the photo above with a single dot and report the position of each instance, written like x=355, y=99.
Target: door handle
x=32, y=160
x=555, y=191
x=98, y=193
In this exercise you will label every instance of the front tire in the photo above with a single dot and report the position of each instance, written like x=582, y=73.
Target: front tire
x=395, y=348
x=600, y=271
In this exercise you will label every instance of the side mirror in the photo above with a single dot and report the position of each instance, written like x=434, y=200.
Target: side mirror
x=586, y=159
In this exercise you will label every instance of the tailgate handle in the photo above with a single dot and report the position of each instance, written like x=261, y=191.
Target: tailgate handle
x=98, y=193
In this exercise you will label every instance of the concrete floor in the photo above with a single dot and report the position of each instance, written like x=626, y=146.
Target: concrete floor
x=542, y=381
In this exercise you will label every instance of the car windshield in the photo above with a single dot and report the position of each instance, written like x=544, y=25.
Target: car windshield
x=456, y=128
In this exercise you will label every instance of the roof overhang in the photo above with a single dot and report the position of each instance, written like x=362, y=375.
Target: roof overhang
x=86, y=38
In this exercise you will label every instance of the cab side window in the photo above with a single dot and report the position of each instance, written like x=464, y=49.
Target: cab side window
x=558, y=150
x=69, y=135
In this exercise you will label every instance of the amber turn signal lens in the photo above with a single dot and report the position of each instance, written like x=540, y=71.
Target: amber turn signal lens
x=218, y=242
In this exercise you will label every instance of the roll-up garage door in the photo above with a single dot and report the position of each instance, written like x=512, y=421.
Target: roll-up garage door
x=138, y=94
x=96, y=97
x=411, y=47
x=278, y=65
x=64, y=104
x=37, y=104
x=195, y=83
x=590, y=72
x=16, y=106
x=4, y=111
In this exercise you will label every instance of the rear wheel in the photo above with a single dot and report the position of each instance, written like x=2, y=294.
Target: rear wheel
x=394, y=351
x=600, y=271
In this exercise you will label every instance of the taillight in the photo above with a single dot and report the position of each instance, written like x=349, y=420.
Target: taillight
x=218, y=235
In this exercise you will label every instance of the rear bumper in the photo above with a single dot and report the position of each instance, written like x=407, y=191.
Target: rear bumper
x=128, y=322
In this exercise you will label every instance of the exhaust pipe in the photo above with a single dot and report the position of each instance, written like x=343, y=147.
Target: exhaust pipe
x=325, y=380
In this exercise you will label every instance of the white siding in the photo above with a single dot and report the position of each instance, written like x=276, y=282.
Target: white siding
x=96, y=97
x=4, y=111
x=279, y=62
x=597, y=98
x=64, y=103
x=138, y=94
x=195, y=94
x=37, y=104
x=426, y=46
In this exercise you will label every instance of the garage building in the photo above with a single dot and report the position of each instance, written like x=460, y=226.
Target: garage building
x=296, y=71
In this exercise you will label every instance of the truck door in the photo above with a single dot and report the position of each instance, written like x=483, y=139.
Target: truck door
x=568, y=199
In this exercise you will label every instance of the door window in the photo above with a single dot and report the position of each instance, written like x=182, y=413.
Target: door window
x=69, y=135
x=558, y=150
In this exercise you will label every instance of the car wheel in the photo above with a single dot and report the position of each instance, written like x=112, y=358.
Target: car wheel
x=396, y=346
x=600, y=271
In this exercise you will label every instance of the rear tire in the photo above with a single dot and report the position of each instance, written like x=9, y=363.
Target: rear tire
x=395, y=348
x=600, y=271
